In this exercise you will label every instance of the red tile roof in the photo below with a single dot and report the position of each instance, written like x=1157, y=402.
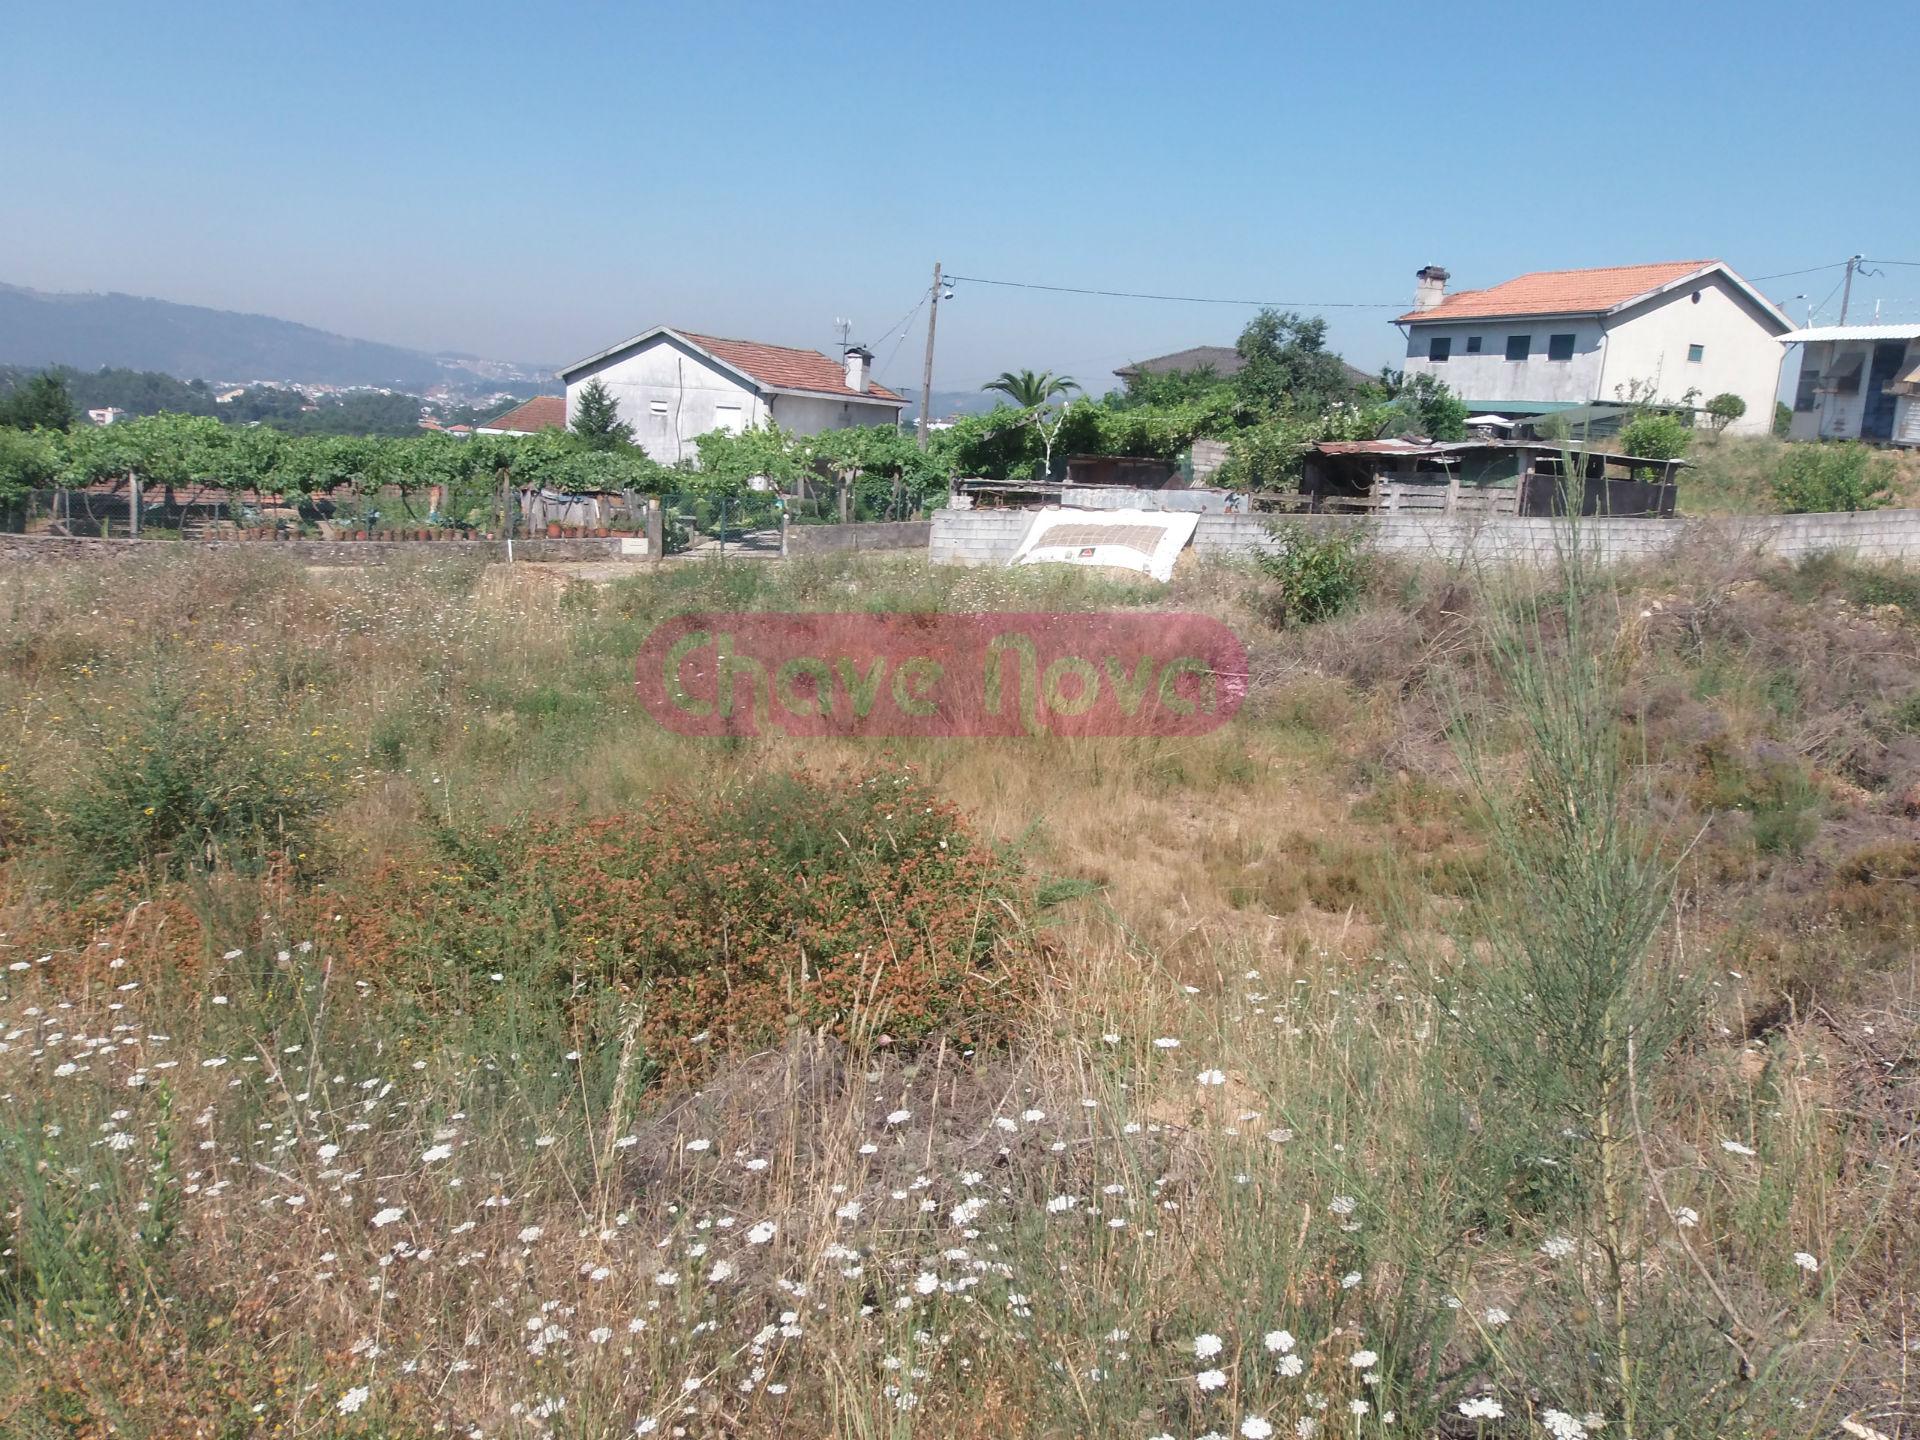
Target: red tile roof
x=543, y=412
x=786, y=368
x=1559, y=292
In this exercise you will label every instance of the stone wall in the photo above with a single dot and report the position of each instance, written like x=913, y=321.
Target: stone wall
x=308, y=552
x=876, y=535
x=989, y=537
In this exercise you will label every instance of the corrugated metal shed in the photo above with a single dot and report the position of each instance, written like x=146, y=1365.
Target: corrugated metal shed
x=1851, y=332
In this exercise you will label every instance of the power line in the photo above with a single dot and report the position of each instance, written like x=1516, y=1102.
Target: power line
x=1911, y=264
x=900, y=339
x=1830, y=294
x=1183, y=299
x=1810, y=270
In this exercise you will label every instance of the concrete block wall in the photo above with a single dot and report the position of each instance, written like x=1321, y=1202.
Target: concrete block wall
x=1870, y=535
x=976, y=537
x=989, y=537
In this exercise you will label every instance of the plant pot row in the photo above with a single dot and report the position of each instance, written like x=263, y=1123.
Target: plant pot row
x=557, y=531
x=271, y=533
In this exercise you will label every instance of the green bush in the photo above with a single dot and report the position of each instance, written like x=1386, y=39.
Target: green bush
x=1655, y=437
x=1781, y=799
x=1827, y=477
x=1725, y=408
x=173, y=787
x=1316, y=576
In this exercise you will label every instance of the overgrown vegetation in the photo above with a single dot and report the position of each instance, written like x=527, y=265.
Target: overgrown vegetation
x=1833, y=477
x=1502, y=1028
x=1315, y=576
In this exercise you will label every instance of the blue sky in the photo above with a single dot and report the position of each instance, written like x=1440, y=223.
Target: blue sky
x=535, y=182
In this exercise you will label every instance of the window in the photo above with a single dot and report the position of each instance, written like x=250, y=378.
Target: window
x=1806, y=392
x=658, y=407
x=1518, y=346
x=729, y=418
x=1696, y=353
x=1559, y=347
x=1439, y=348
x=1473, y=344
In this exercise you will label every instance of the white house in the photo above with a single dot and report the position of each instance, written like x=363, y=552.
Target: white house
x=1558, y=338
x=1858, y=382
x=673, y=386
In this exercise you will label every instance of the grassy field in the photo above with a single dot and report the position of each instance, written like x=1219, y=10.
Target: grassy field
x=1506, y=1026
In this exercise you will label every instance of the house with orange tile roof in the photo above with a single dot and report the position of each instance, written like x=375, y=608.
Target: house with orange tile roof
x=1679, y=331
x=674, y=386
x=530, y=417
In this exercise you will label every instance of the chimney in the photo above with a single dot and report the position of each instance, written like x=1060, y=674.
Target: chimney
x=859, y=363
x=1430, y=287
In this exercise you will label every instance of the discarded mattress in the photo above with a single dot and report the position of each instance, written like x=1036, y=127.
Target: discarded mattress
x=1143, y=540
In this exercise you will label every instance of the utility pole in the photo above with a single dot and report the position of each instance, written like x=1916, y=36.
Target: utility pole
x=1853, y=263
x=926, y=371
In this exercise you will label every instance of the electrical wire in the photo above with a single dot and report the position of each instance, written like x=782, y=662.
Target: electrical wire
x=900, y=325
x=1810, y=270
x=1830, y=294
x=1184, y=299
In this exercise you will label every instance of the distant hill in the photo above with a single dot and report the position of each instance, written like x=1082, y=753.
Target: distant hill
x=194, y=342
x=949, y=403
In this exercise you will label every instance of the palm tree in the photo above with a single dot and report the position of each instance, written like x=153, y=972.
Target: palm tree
x=1029, y=390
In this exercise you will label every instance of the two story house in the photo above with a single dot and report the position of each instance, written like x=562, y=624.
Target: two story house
x=1555, y=339
x=674, y=386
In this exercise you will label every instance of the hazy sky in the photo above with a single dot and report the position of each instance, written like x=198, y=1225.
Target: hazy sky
x=534, y=182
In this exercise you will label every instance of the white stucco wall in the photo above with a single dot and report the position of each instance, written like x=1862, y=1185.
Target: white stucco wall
x=809, y=415
x=1740, y=351
x=670, y=395
x=1491, y=376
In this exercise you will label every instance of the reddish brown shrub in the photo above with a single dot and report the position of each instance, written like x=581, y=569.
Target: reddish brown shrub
x=859, y=903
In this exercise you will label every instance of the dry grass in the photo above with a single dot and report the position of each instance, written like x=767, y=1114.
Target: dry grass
x=1035, y=1243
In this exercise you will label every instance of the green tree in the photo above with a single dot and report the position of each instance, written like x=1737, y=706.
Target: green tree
x=1725, y=408
x=729, y=459
x=1288, y=365
x=1827, y=477
x=1654, y=435
x=1424, y=405
x=1202, y=385
x=40, y=402
x=596, y=418
x=29, y=460
x=1030, y=391
x=1782, y=419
